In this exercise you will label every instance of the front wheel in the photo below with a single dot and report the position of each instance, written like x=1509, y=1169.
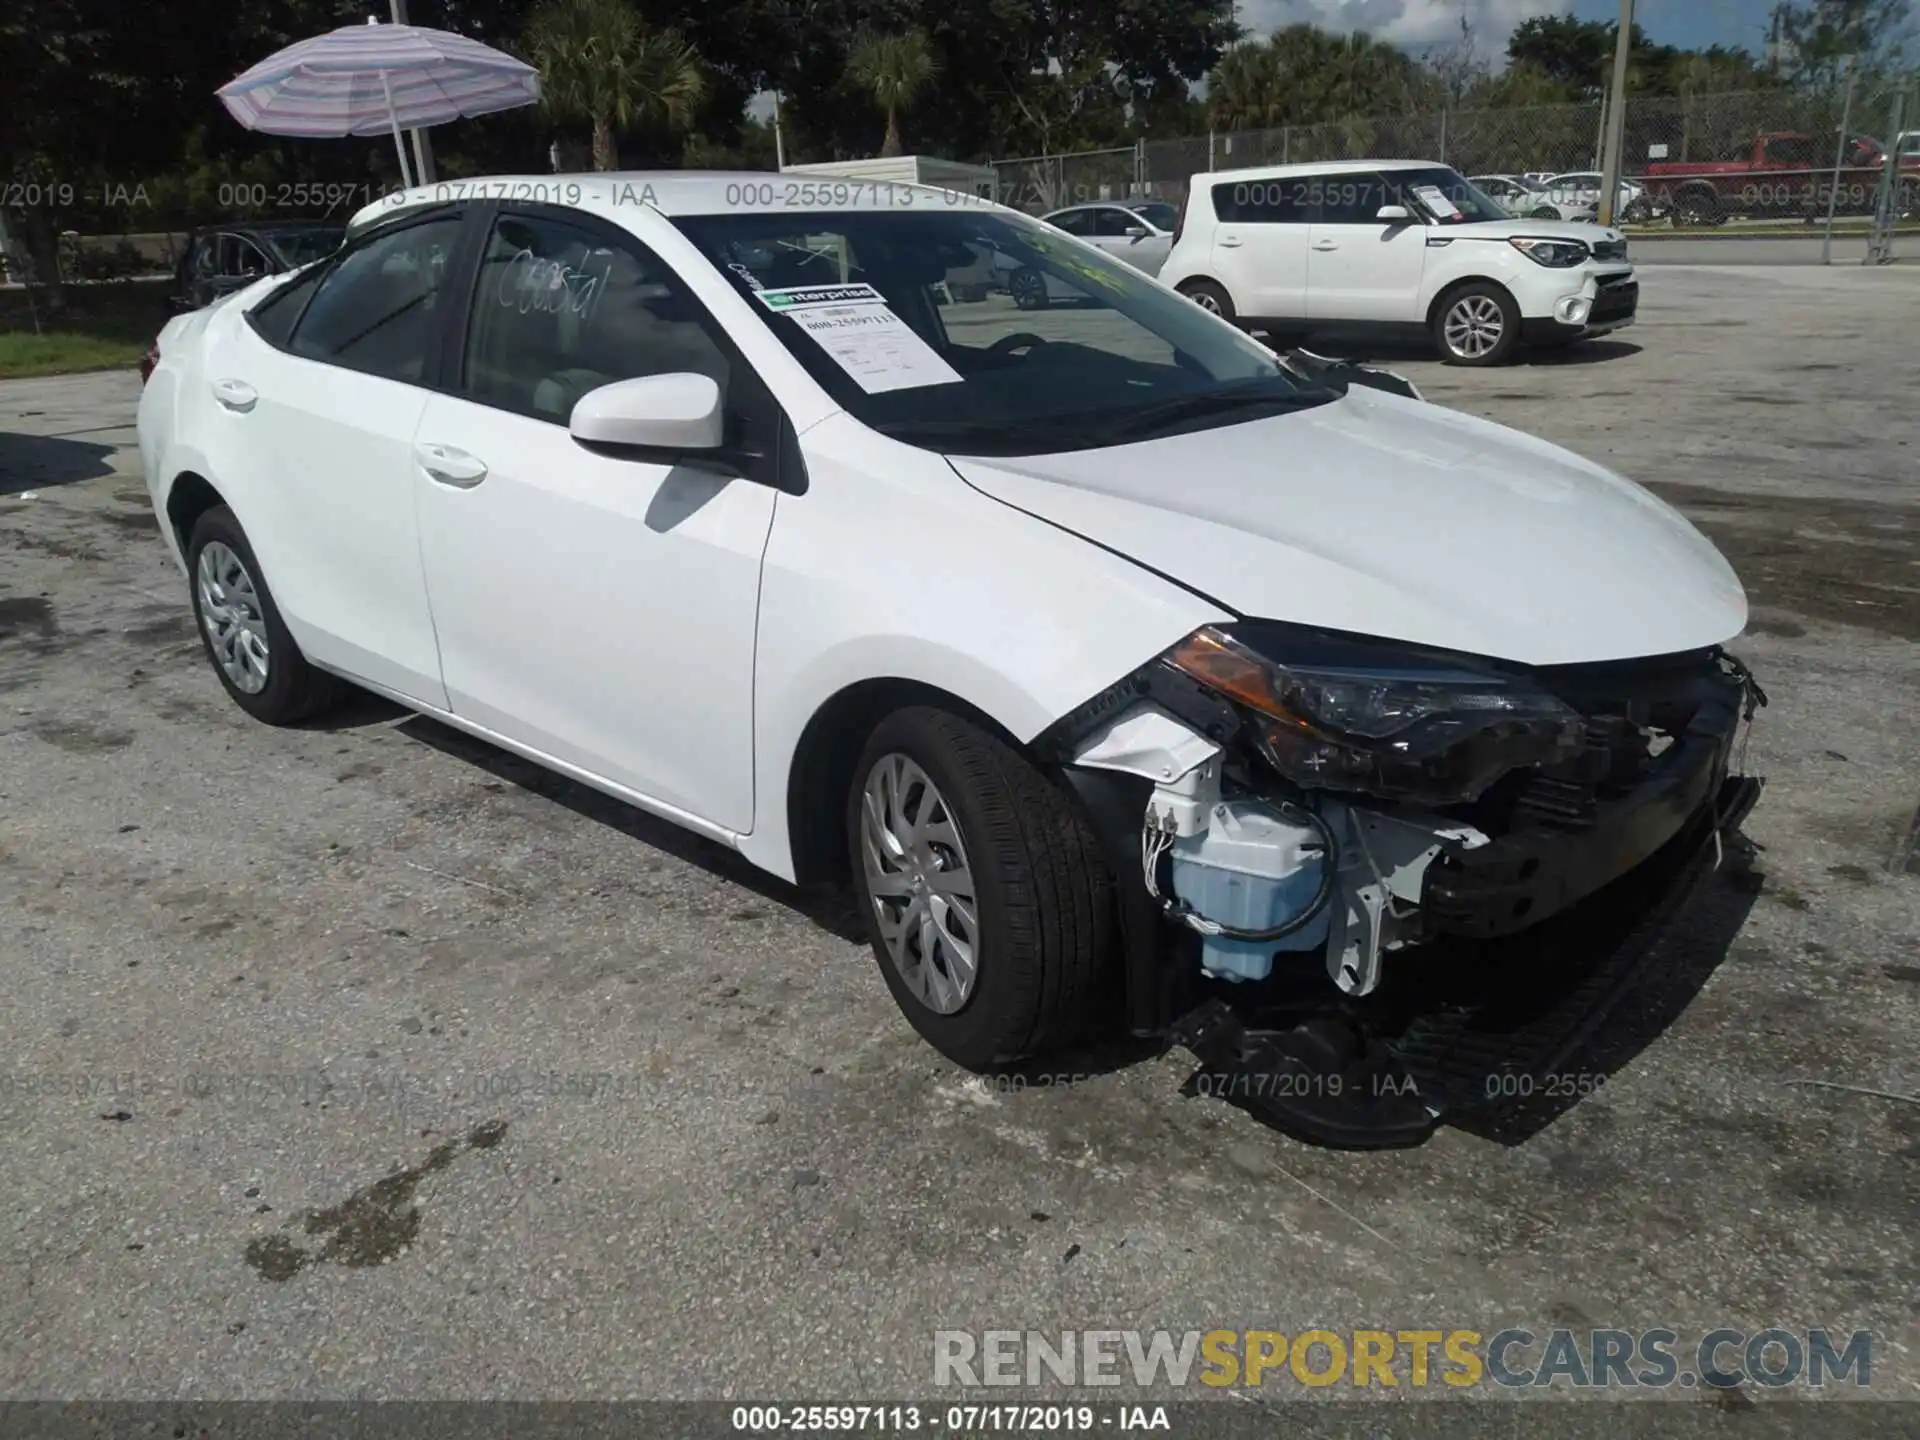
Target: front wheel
x=990, y=905
x=1477, y=324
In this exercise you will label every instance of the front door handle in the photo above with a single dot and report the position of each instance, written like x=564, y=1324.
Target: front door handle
x=235, y=394
x=1326, y=244
x=449, y=466
x=1229, y=242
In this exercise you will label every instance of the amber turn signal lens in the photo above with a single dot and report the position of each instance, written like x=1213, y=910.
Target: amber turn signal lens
x=1222, y=665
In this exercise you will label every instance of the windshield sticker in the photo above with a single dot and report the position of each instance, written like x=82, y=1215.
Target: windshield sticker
x=801, y=297
x=1435, y=199
x=871, y=343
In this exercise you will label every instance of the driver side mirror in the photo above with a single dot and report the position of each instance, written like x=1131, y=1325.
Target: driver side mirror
x=681, y=411
x=1393, y=214
x=1135, y=232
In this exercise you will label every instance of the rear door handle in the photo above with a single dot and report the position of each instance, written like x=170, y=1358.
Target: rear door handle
x=1229, y=242
x=449, y=466
x=235, y=394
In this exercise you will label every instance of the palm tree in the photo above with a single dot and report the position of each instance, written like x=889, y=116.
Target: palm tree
x=601, y=65
x=895, y=70
x=1245, y=92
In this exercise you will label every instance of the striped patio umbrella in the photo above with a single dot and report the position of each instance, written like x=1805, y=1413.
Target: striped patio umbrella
x=367, y=79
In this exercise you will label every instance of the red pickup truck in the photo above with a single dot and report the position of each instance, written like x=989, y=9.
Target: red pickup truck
x=1783, y=173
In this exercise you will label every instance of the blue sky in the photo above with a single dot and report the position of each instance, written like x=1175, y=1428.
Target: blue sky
x=1419, y=23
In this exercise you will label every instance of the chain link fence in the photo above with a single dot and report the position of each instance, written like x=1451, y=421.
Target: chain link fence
x=1705, y=162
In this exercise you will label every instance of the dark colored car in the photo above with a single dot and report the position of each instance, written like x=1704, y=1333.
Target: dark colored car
x=221, y=260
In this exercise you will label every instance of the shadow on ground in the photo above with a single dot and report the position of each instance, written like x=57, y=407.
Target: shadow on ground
x=38, y=462
x=833, y=910
x=1367, y=349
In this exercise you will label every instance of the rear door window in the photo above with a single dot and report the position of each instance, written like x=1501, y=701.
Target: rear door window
x=1265, y=202
x=377, y=308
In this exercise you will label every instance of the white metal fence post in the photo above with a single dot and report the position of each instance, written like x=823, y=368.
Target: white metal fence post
x=1839, y=158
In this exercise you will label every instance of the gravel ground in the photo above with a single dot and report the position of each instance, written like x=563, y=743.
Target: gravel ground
x=290, y=1016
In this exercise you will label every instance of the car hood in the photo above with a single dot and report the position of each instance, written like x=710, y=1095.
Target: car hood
x=1379, y=515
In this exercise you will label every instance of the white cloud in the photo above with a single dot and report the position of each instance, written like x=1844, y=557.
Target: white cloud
x=1414, y=24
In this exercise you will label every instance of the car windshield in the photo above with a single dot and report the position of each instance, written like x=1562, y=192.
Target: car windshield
x=1447, y=195
x=1158, y=214
x=300, y=247
x=971, y=331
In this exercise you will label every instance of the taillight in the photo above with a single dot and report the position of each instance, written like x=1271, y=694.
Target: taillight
x=148, y=361
x=1181, y=223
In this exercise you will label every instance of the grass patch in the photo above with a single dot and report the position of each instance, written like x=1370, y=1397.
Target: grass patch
x=104, y=327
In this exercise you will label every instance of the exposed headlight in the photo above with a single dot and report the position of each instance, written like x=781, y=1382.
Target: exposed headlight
x=1555, y=254
x=1418, y=732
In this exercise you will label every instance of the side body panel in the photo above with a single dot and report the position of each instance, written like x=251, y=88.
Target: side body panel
x=891, y=566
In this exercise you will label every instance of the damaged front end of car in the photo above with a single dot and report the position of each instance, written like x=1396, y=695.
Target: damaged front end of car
x=1314, y=808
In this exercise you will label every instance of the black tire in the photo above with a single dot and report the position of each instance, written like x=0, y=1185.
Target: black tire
x=1697, y=205
x=1545, y=212
x=1209, y=296
x=1476, y=294
x=1906, y=201
x=1043, y=894
x=294, y=690
x=1029, y=289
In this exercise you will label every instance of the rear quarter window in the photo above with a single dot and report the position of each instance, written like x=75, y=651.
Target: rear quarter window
x=273, y=318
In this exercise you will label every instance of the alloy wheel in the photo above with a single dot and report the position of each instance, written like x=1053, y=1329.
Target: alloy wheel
x=230, y=612
x=919, y=883
x=1474, y=326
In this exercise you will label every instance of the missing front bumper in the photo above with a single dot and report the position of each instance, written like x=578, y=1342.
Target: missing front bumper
x=1359, y=1077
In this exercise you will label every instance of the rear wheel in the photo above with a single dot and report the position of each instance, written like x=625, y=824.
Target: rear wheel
x=1697, y=205
x=246, y=640
x=990, y=904
x=1029, y=289
x=1478, y=324
x=1210, y=297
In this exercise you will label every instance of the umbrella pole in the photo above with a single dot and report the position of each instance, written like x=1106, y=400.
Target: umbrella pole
x=399, y=145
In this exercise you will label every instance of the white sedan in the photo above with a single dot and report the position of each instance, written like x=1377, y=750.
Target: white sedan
x=1139, y=232
x=1060, y=647
x=1525, y=199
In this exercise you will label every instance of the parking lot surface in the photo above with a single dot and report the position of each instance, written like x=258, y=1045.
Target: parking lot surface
x=367, y=1061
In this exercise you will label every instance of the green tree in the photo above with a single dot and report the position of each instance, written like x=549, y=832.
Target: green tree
x=895, y=70
x=601, y=65
x=1822, y=37
x=1246, y=90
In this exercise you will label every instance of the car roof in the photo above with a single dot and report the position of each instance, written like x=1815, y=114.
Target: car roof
x=668, y=192
x=1325, y=167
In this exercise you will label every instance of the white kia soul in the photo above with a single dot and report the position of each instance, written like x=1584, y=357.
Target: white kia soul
x=1062, y=635
x=1400, y=246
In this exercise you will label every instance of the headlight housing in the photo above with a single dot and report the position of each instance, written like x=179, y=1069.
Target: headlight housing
x=1554, y=254
x=1400, y=728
